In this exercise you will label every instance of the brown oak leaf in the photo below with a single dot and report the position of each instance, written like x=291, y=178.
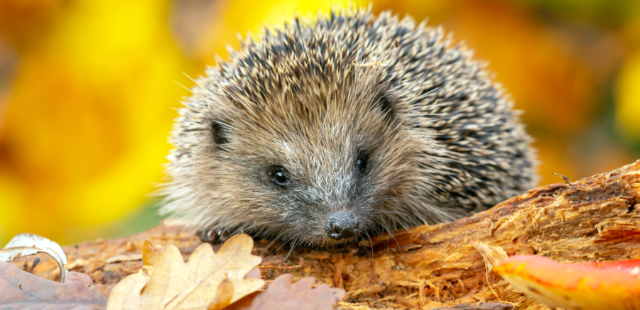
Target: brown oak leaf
x=150, y=253
x=282, y=295
x=174, y=284
x=224, y=294
x=22, y=290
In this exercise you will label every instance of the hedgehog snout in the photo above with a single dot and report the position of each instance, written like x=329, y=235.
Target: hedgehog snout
x=342, y=225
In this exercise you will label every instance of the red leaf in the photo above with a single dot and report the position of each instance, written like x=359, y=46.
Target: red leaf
x=609, y=285
x=22, y=290
x=282, y=295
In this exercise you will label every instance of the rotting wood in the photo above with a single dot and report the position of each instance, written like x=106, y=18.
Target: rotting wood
x=593, y=219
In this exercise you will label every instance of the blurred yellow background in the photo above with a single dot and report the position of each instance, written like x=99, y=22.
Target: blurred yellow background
x=88, y=92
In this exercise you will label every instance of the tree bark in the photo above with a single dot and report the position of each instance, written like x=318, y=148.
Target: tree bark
x=593, y=219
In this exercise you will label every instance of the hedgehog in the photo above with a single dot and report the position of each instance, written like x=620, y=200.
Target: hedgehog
x=325, y=131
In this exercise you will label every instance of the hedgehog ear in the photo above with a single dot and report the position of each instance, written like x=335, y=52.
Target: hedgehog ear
x=384, y=102
x=219, y=132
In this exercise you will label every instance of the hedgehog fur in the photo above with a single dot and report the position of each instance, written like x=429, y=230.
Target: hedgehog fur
x=374, y=116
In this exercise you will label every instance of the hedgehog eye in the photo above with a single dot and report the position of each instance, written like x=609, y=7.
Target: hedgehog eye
x=361, y=163
x=279, y=176
x=219, y=135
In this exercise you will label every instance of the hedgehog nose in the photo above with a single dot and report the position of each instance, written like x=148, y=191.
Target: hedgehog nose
x=341, y=225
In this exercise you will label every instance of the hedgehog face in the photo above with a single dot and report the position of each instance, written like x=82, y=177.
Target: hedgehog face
x=319, y=175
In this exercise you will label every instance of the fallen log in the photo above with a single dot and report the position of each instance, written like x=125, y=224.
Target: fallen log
x=593, y=219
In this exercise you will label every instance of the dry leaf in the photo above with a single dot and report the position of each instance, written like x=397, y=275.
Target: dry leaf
x=175, y=284
x=282, y=295
x=224, y=294
x=150, y=252
x=123, y=258
x=22, y=290
x=609, y=285
x=30, y=244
